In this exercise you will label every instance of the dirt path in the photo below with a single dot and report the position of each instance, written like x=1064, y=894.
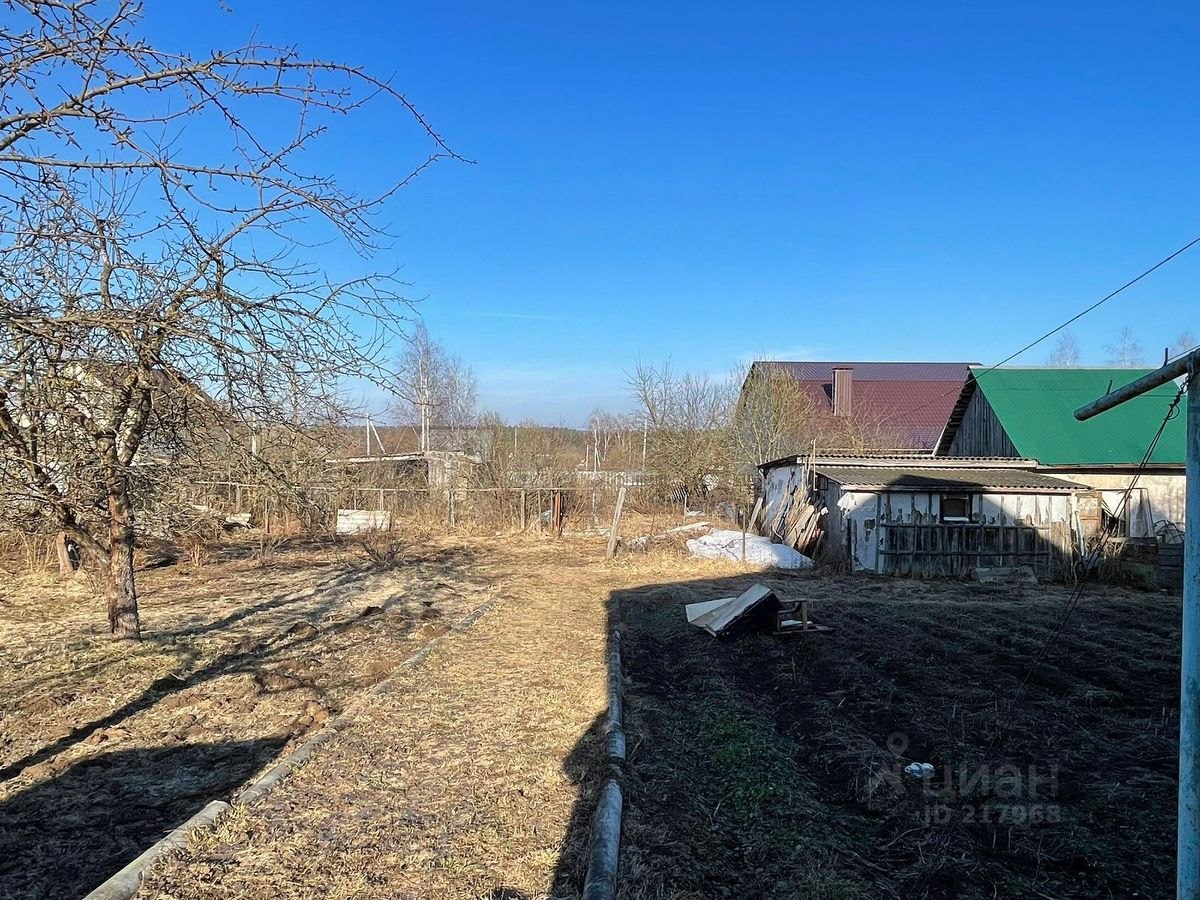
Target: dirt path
x=461, y=780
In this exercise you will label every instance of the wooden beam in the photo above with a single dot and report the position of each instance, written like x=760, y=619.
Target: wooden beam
x=614, y=532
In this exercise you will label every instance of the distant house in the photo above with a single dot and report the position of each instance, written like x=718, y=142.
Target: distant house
x=895, y=405
x=1030, y=413
x=921, y=515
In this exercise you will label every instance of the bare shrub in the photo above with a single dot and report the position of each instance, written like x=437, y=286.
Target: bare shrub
x=383, y=548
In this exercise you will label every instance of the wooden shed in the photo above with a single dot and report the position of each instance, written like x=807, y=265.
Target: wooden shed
x=924, y=516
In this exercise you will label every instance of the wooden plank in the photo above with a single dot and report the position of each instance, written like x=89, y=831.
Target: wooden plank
x=614, y=532
x=758, y=505
x=798, y=523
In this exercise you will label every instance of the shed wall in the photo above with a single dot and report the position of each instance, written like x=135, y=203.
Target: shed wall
x=901, y=532
x=980, y=433
x=1164, y=497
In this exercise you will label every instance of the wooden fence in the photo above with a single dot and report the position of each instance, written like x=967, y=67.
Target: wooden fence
x=954, y=549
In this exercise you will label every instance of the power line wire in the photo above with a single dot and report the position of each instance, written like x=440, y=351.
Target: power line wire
x=1075, y=318
x=1053, y=331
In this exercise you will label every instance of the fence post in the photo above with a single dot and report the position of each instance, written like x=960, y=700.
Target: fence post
x=614, y=532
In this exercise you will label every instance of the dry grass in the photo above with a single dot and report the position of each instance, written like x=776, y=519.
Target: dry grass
x=104, y=746
x=470, y=777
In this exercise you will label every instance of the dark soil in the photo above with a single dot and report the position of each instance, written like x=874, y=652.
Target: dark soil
x=773, y=767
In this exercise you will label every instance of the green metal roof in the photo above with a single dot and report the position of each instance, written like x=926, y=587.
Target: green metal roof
x=1037, y=409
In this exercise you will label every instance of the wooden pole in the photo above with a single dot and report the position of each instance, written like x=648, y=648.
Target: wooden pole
x=523, y=524
x=758, y=505
x=614, y=532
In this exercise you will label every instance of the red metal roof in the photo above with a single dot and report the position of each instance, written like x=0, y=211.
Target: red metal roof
x=911, y=400
x=875, y=371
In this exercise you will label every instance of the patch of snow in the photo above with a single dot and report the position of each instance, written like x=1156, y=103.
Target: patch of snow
x=759, y=550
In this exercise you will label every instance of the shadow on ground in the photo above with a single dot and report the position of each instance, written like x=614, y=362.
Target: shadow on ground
x=246, y=656
x=80, y=821
x=64, y=836
x=773, y=767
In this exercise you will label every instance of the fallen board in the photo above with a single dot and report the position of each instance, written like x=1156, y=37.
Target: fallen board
x=1005, y=575
x=718, y=617
x=703, y=609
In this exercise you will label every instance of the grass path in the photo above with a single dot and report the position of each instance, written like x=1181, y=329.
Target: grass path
x=461, y=780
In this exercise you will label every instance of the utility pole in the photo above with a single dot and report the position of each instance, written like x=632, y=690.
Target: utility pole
x=1187, y=857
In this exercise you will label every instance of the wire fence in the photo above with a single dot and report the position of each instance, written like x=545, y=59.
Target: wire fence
x=561, y=507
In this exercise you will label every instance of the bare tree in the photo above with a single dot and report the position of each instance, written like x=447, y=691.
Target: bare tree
x=1126, y=352
x=1185, y=342
x=687, y=423
x=774, y=416
x=1066, y=351
x=606, y=429
x=436, y=390
x=157, y=304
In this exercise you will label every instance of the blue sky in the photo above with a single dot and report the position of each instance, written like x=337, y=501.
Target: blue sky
x=709, y=182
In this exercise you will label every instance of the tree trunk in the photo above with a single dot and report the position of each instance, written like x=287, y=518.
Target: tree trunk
x=119, y=587
x=68, y=556
x=120, y=590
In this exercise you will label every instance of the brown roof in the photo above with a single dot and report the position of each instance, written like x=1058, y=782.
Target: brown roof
x=955, y=372
x=911, y=399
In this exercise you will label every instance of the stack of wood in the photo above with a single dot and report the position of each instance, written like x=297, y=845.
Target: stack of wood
x=797, y=519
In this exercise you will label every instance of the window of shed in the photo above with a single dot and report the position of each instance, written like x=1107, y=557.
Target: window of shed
x=956, y=508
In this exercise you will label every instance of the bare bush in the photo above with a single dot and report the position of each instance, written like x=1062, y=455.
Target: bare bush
x=383, y=548
x=687, y=421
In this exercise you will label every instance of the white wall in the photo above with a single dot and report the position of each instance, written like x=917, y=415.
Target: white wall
x=865, y=515
x=1165, y=497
